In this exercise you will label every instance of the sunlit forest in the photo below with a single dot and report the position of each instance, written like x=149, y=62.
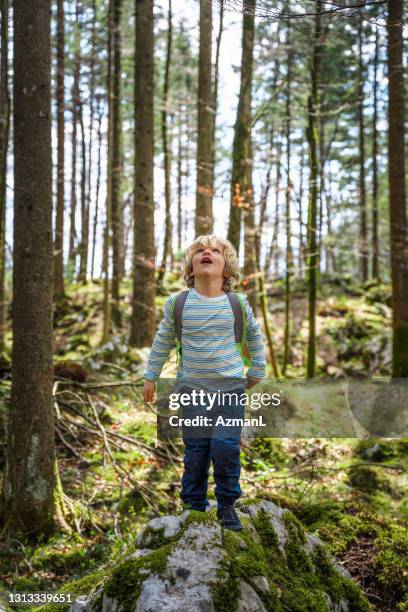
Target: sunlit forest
x=127, y=129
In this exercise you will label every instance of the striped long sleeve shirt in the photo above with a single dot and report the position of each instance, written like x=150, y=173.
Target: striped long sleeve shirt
x=207, y=342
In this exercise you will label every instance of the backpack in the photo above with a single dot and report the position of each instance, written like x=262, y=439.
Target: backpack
x=239, y=310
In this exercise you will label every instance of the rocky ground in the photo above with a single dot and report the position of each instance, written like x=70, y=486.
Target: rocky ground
x=188, y=562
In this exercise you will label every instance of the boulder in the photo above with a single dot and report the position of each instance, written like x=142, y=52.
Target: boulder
x=188, y=562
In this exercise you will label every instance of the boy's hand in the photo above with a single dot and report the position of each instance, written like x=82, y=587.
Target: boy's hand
x=251, y=382
x=148, y=391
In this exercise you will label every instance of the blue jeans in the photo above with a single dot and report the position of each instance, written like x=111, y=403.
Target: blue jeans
x=217, y=444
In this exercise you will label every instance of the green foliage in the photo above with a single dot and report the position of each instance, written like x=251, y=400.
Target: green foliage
x=260, y=453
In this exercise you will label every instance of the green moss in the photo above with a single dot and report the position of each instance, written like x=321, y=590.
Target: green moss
x=248, y=501
x=338, y=586
x=298, y=559
x=248, y=556
x=124, y=584
x=293, y=583
x=294, y=526
x=373, y=449
x=155, y=538
x=83, y=586
x=62, y=557
x=342, y=526
x=391, y=563
x=266, y=532
x=225, y=592
x=368, y=479
x=204, y=518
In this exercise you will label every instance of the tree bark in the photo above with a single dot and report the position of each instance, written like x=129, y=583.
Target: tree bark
x=205, y=107
x=397, y=189
x=331, y=259
x=273, y=251
x=250, y=268
x=109, y=172
x=99, y=113
x=301, y=255
x=289, y=259
x=92, y=81
x=4, y=139
x=241, y=190
x=375, y=245
x=216, y=81
x=84, y=245
x=362, y=188
x=179, y=176
x=143, y=324
x=59, y=219
x=167, y=245
x=116, y=197
x=313, y=140
x=75, y=96
x=29, y=505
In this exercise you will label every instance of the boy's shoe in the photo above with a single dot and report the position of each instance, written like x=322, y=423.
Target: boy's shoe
x=228, y=518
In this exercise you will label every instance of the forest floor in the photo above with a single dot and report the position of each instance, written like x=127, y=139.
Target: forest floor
x=116, y=474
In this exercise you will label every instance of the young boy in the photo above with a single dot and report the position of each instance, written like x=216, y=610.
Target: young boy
x=210, y=357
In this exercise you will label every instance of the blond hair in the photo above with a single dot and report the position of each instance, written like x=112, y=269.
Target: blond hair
x=231, y=267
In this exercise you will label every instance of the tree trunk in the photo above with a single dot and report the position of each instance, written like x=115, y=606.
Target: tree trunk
x=59, y=219
x=75, y=96
x=273, y=251
x=301, y=255
x=179, y=176
x=83, y=251
x=313, y=140
x=91, y=119
x=143, y=324
x=205, y=106
x=4, y=139
x=250, y=269
x=363, y=204
x=116, y=198
x=167, y=246
x=321, y=190
x=98, y=183
x=331, y=259
x=216, y=80
x=29, y=506
x=397, y=189
x=375, y=246
x=289, y=262
x=264, y=202
x=109, y=172
x=241, y=190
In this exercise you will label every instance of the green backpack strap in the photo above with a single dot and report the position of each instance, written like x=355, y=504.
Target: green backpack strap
x=177, y=313
x=239, y=310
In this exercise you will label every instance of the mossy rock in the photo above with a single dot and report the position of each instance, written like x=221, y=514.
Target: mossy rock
x=374, y=547
x=378, y=293
x=373, y=449
x=368, y=479
x=188, y=562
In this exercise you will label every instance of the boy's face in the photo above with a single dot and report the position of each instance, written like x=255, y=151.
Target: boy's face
x=208, y=261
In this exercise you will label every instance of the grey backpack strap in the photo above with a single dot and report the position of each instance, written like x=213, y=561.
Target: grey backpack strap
x=237, y=310
x=178, y=311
